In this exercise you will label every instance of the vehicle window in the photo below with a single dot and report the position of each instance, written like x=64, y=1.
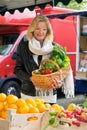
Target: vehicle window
x=6, y=42
x=21, y=41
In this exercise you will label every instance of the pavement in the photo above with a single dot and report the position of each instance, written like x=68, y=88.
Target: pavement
x=78, y=99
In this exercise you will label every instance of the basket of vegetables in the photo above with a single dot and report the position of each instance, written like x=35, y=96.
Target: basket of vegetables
x=57, y=66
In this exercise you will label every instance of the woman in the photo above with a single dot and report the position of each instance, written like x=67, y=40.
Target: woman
x=29, y=55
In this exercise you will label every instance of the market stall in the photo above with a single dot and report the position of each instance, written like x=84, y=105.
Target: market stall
x=19, y=114
x=15, y=117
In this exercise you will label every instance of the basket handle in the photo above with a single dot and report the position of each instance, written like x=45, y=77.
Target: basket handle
x=51, y=61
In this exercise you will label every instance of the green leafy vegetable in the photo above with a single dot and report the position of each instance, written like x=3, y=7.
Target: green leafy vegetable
x=59, y=56
x=51, y=121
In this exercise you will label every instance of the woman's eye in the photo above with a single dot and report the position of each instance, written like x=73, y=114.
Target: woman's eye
x=44, y=29
x=37, y=28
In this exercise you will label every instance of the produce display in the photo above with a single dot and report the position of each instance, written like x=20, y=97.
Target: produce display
x=44, y=114
x=30, y=105
x=72, y=116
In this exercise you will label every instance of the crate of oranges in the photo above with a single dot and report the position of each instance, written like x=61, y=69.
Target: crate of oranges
x=19, y=114
x=23, y=114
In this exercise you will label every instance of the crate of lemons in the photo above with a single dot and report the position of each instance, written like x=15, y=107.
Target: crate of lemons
x=30, y=105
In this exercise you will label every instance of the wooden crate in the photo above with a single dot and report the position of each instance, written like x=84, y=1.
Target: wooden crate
x=20, y=121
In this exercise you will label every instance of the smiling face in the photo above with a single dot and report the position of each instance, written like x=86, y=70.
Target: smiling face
x=40, y=31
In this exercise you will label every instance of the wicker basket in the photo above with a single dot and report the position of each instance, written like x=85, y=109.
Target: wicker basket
x=45, y=81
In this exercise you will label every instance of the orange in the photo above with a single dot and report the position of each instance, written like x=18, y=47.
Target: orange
x=30, y=105
x=6, y=106
x=60, y=109
x=57, y=107
x=1, y=106
x=3, y=114
x=13, y=106
x=42, y=100
x=47, y=105
x=41, y=107
x=31, y=101
x=2, y=97
x=37, y=100
x=34, y=110
x=33, y=118
x=11, y=99
x=23, y=109
x=20, y=102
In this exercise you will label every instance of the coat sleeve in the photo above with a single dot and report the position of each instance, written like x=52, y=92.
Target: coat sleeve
x=19, y=69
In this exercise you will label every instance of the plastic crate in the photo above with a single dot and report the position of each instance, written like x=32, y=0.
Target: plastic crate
x=81, y=86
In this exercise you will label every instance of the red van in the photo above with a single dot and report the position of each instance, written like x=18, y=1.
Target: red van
x=9, y=83
x=13, y=31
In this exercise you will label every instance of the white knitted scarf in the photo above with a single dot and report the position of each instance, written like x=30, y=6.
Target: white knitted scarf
x=36, y=48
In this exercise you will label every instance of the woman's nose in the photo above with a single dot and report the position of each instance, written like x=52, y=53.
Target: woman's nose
x=41, y=31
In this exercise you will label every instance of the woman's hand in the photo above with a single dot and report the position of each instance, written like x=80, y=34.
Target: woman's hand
x=56, y=83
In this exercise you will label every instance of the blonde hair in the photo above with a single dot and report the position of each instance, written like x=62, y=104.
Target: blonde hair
x=40, y=18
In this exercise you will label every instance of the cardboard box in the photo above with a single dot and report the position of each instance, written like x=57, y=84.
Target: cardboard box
x=20, y=121
x=81, y=74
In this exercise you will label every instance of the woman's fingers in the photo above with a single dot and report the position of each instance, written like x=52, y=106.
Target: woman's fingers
x=56, y=83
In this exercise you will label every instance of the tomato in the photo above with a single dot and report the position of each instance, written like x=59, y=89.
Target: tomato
x=46, y=71
x=42, y=71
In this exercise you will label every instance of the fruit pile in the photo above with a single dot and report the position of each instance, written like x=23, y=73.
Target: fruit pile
x=22, y=106
x=78, y=112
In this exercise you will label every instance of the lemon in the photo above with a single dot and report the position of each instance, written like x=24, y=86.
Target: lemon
x=71, y=107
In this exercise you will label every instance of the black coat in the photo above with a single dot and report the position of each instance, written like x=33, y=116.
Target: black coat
x=25, y=64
